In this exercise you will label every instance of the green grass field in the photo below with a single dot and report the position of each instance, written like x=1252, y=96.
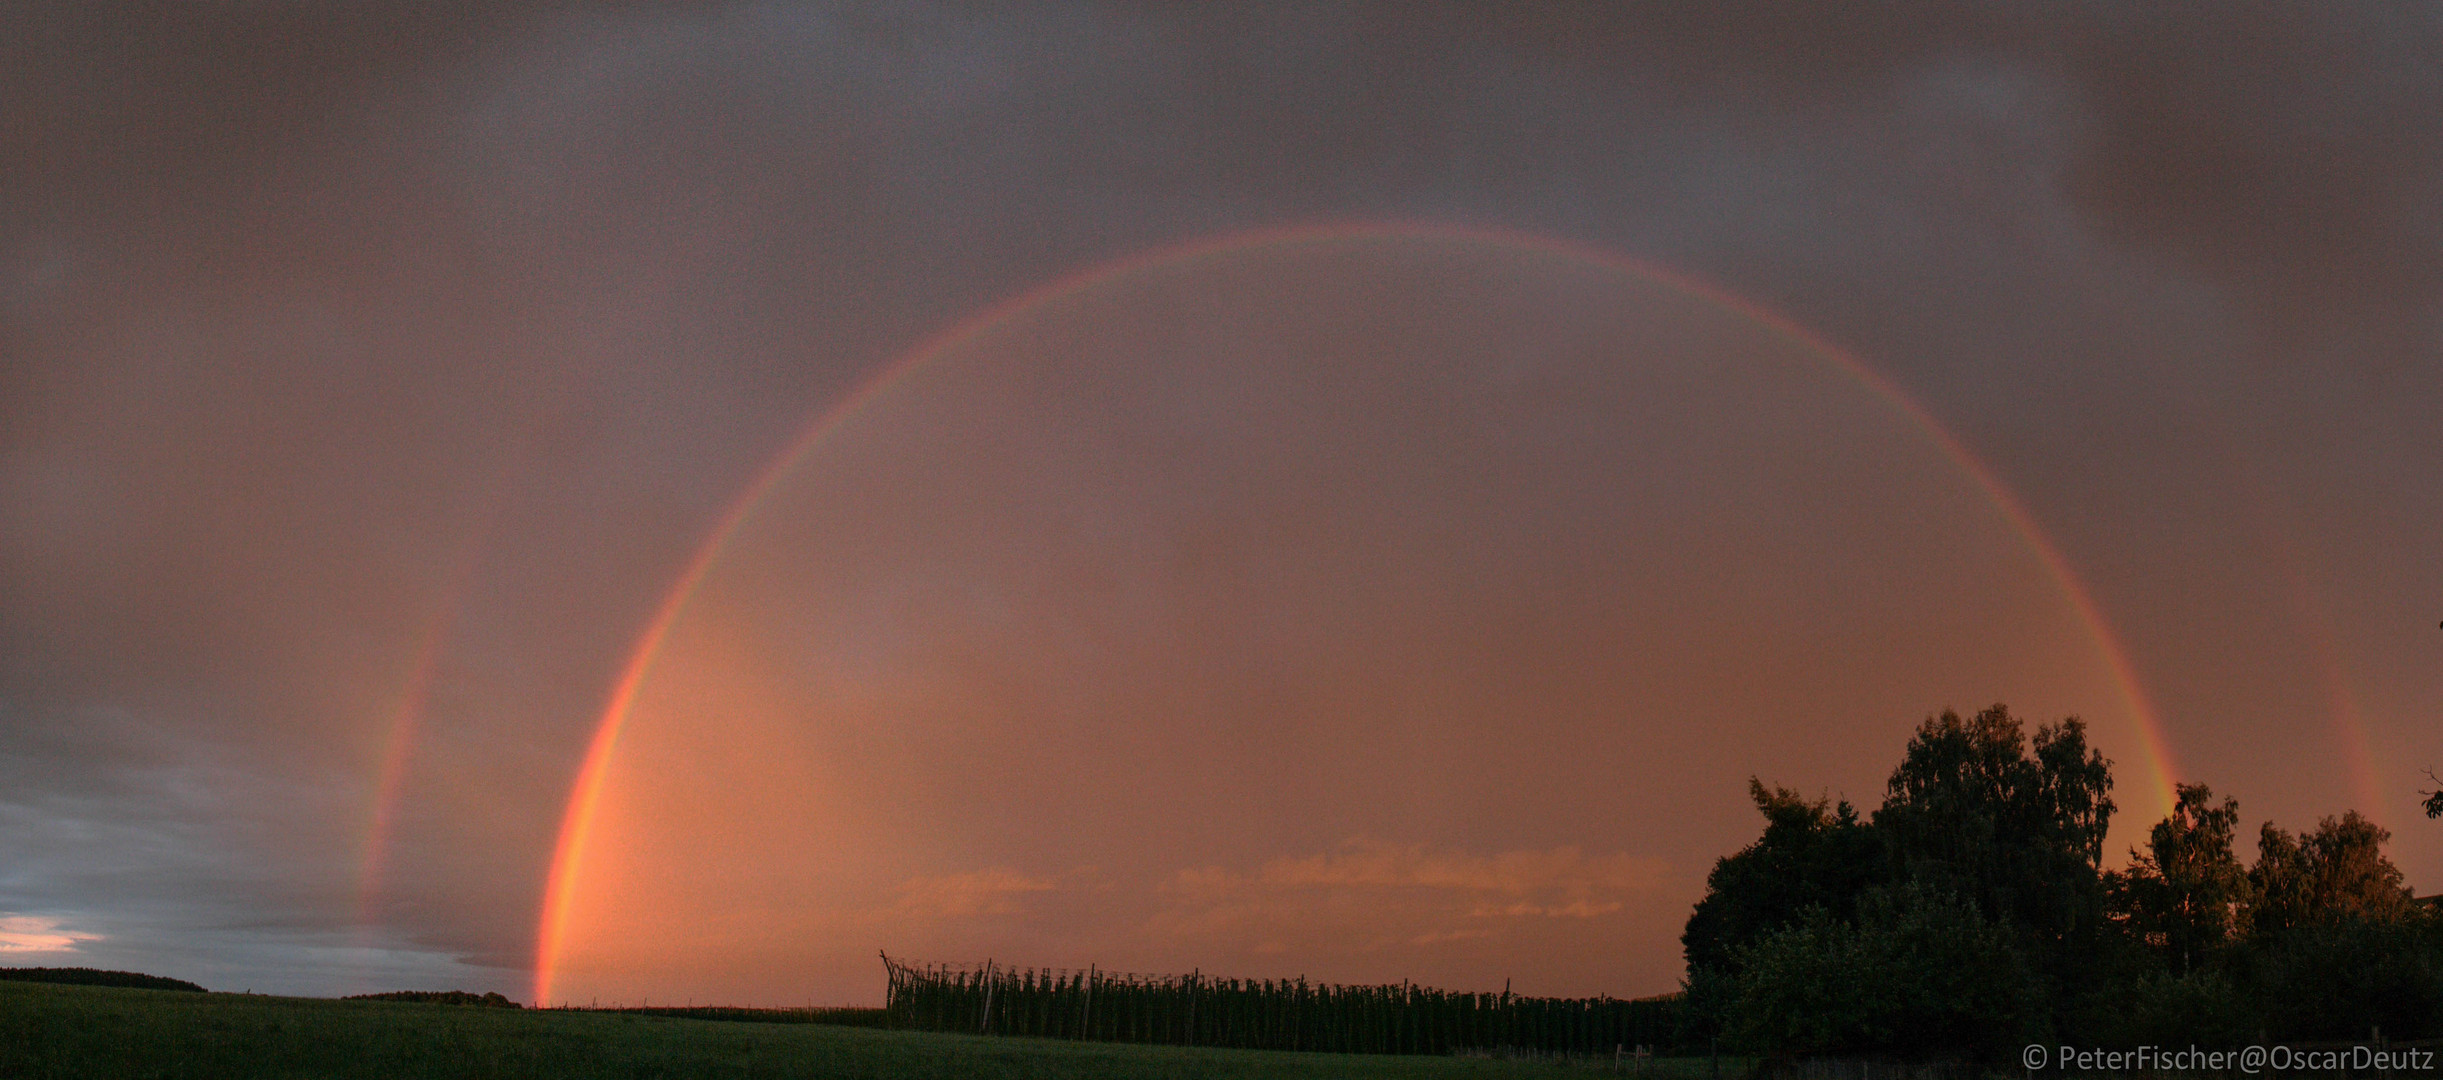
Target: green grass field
x=82, y=1032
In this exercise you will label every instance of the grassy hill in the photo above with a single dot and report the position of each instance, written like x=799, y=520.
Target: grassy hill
x=98, y=1032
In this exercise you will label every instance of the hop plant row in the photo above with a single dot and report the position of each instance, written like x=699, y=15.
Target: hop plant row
x=1273, y=1014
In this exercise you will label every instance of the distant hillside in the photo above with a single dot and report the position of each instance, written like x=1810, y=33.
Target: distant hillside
x=92, y=977
x=440, y=997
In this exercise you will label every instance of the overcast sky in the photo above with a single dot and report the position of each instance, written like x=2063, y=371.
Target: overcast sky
x=1397, y=472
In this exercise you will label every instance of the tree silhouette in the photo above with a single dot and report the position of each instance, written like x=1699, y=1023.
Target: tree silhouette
x=2021, y=835
x=2184, y=891
x=1984, y=835
x=1970, y=914
x=1813, y=855
x=2337, y=872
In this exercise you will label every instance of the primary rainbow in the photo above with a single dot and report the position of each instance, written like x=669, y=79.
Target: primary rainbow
x=576, y=827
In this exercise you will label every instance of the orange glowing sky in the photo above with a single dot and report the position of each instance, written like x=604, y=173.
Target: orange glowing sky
x=1394, y=629
x=669, y=501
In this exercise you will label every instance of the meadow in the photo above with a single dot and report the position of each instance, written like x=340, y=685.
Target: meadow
x=77, y=1032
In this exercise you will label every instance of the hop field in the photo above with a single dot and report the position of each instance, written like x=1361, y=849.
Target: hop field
x=1199, y=1010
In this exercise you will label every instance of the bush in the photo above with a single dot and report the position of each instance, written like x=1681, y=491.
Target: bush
x=1921, y=974
x=2335, y=978
x=2204, y=1008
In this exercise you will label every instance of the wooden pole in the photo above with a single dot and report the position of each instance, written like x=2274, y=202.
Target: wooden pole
x=985, y=1023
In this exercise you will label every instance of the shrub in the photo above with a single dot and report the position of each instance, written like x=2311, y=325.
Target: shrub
x=2204, y=1007
x=2335, y=978
x=1921, y=974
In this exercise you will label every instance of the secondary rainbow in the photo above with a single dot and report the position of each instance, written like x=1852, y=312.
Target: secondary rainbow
x=577, y=823
x=415, y=694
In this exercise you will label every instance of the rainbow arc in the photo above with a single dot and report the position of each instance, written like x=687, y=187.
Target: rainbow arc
x=586, y=795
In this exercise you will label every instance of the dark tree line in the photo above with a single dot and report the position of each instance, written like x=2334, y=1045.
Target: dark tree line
x=489, y=1000
x=1971, y=914
x=91, y=977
